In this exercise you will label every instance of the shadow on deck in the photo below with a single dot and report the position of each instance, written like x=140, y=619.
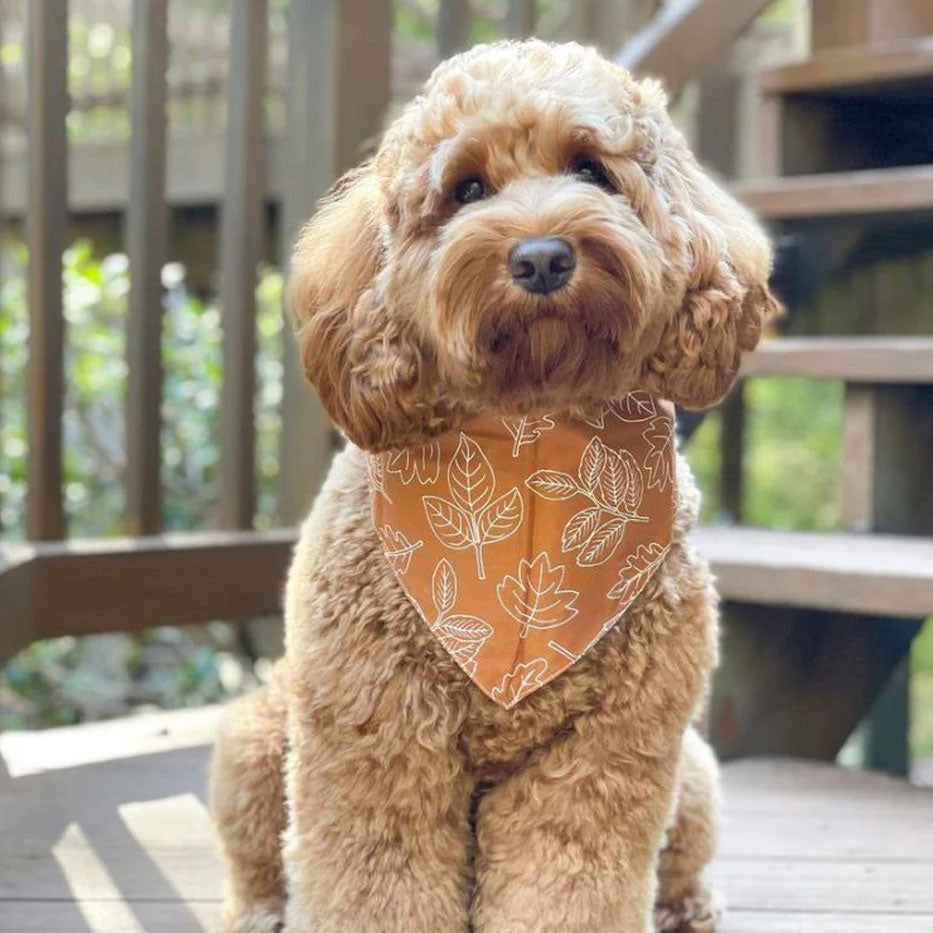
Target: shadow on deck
x=104, y=827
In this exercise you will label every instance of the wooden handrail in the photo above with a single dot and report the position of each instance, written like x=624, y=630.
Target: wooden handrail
x=686, y=37
x=74, y=587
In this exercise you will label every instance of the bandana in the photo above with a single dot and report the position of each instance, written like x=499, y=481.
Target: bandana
x=521, y=541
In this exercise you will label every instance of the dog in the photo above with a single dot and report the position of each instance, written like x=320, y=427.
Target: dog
x=532, y=240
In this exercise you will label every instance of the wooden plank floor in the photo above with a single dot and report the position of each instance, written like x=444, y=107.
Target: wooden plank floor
x=103, y=828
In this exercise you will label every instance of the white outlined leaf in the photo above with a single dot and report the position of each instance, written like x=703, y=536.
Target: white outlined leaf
x=520, y=682
x=421, y=463
x=375, y=472
x=398, y=549
x=603, y=544
x=634, y=488
x=535, y=598
x=634, y=407
x=444, y=586
x=660, y=437
x=462, y=636
x=470, y=475
x=636, y=570
x=579, y=528
x=526, y=430
x=613, y=480
x=448, y=522
x=552, y=484
x=592, y=461
x=501, y=517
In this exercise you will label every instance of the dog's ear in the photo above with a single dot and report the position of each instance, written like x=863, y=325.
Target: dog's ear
x=364, y=364
x=727, y=301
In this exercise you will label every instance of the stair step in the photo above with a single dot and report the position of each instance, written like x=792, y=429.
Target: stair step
x=864, y=573
x=907, y=360
x=907, y=190
x=901, y=67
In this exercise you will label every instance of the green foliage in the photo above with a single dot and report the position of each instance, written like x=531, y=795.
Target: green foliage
x=792, y=453
x=56, y=682
x=95, y=299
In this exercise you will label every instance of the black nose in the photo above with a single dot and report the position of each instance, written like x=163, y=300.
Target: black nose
x=542, y=264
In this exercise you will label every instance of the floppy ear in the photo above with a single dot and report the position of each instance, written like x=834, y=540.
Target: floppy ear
x=727, y=301
x=365, y=365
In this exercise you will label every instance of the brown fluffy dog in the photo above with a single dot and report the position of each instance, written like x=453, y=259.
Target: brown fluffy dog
x=372, y=780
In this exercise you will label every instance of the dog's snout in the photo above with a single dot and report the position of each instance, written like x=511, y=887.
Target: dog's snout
x=542, y=264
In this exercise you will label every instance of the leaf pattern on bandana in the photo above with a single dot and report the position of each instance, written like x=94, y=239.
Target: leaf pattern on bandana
x=474, y=519
x=527, y=430
x=520, y=682
x=534, y=597
x=398, y=549
x=612, y=482
x=461, y=634
x=522, y=541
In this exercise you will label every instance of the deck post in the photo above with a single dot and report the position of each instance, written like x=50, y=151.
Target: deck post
x=338, y=92
x=47, y=107
x=242, y=230
x=146, y=233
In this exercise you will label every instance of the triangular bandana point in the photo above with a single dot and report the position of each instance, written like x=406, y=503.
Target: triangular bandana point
x=521, y=541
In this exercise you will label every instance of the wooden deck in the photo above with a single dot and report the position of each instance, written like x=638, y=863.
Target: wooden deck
x=103, y=828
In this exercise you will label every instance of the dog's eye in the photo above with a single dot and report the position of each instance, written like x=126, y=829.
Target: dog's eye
x=470, y=189
x=590, y=171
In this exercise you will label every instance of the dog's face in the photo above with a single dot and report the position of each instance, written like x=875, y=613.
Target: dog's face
x=532, y=234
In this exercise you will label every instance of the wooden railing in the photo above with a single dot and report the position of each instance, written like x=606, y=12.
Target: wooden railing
x=338, y=85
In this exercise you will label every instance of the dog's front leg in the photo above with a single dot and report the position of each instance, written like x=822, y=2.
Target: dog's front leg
x=379, y=833
x=571, y=842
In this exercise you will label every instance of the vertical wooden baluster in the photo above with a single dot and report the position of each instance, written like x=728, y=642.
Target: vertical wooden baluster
x=339, y=83
x=241, y=249
x=47, y=64
x=146, y=240
x=521, y=18
x=453, y=26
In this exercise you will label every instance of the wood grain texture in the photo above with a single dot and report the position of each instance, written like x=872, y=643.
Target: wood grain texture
x=47, y=64
x=146, y=232
x=104, y=827
x=851, y=359
x=243, y=226
x=895, y=66
x=872, y=574
x=128, y=584
x=837, y=194
x=687, y=36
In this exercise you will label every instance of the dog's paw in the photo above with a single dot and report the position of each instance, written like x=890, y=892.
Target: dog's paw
x=256, y=918
x=699, y=912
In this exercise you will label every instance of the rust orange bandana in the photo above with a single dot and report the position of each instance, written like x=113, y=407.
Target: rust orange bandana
x=522, y=541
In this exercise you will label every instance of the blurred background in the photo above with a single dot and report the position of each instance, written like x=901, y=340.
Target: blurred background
x=161, y=375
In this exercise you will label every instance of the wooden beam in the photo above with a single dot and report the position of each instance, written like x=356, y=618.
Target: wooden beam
x=339, y=77
x=841, y=194
x=851, y=359
x=903, y=64
x=882, y=575
x=129, y=584
x=521, y=17
x=864, y=22
x=453, y=26
x=686, y=37
x=242, y=232
x=47, y=76
x=146, y=226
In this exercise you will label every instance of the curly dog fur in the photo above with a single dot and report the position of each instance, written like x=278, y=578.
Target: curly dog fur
x=372, y=781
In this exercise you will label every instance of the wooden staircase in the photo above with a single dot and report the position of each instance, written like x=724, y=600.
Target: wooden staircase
x=817, y=623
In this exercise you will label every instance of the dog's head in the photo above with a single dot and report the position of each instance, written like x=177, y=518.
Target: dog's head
x=533, y=234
